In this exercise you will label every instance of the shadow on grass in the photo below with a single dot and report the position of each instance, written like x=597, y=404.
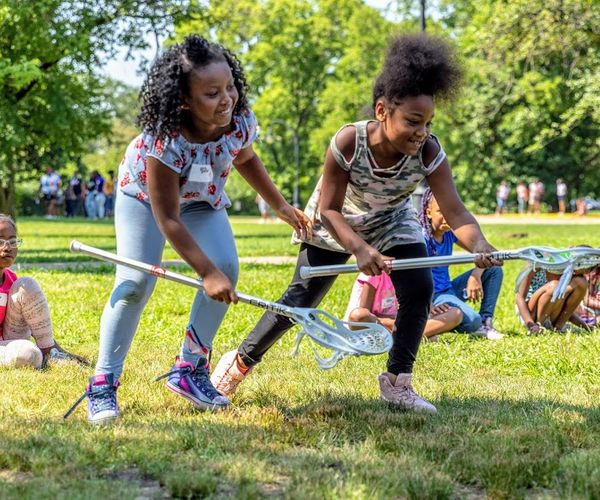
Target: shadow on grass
x=327, y=446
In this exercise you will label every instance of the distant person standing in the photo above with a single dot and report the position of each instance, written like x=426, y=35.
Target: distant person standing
x=109, y=187
x=532, y=195
x=74, y=197
x=95, y=199
x=263, y=208
x=561, y=195
x=522, y=197
x=539, y=196
x=502, y=197
x=49, y=185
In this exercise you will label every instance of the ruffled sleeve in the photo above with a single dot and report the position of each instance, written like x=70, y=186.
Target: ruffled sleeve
x=246, y=128
x=168, y=152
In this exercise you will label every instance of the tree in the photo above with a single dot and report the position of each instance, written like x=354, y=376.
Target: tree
x=51, y=97
x=105, y=152
x=531, y=107
x=291, y=51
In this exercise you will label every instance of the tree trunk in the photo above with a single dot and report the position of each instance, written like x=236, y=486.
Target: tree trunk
x=7, y=196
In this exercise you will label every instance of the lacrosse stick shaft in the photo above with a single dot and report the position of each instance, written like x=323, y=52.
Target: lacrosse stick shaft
x=418, y=262
x=399, y=264
x=159, y=272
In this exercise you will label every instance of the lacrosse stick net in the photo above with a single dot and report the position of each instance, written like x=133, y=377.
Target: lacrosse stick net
x=320, y=326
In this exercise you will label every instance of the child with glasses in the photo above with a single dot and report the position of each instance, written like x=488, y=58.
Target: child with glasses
x=23, y=312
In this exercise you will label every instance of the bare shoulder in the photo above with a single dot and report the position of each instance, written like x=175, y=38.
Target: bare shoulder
x=345, y=140
x=431, y=148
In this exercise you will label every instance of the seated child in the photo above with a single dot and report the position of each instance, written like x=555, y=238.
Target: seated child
x=534, y=305
x=474, y=285
x=373, y=300
x=23, y=312
x=589, y=309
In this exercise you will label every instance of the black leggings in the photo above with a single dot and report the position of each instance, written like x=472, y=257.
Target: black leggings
x=414, y=289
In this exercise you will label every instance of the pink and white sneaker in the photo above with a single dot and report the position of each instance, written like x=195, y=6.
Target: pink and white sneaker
x=229, y=373
x=488, y=331
x=399, y=391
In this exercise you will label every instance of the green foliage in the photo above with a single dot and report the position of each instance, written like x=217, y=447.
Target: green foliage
x=52, y=101
x=530, y=106
x=295, y=52
x=107, y=150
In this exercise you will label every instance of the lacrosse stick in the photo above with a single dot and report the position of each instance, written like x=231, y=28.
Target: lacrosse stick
x=559, y=261
x=320, y=326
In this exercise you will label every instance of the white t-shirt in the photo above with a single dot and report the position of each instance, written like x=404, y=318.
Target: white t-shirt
x=49, y=183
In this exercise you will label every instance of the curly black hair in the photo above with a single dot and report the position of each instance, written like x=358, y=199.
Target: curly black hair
x=418, y=64
x=168, y=81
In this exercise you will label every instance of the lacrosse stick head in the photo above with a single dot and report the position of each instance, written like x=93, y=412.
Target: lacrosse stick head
x=584, y=258
x=343, y=338
x=558, y=260
x=350, y=337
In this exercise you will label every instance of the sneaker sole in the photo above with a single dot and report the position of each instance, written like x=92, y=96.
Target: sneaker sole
x=203, y=405
x=396, y=405
x=104, y=420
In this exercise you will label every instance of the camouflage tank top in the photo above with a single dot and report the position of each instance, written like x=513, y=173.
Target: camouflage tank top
x=377, y=205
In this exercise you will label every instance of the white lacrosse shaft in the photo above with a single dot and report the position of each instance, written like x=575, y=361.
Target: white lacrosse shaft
x=551, y=259
x=160, y=272
x=396, y=265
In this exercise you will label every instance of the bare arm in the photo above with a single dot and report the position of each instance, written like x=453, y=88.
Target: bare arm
x=522, y=302
x=333, y=191
x=462, y=222
x=367, y=297
x=252, y=169
x=163, y=187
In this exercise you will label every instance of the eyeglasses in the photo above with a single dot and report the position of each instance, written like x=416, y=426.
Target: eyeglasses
x=12, y=243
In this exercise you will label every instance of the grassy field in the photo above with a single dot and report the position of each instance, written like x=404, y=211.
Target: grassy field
x=517, y=418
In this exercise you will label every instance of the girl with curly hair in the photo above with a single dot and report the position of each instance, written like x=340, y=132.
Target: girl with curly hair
x=364, y=208
x=196, y=126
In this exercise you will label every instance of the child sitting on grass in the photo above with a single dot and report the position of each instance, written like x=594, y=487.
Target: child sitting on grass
x=23, y=312
x=589, y=309
x=475, y=285
x=373, y=300
x=534, y=305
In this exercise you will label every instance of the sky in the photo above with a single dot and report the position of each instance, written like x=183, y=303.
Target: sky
x=127, y=71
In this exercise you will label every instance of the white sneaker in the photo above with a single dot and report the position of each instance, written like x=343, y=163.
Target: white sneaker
x=400, y=392
x=487, y=330
x=227, y=375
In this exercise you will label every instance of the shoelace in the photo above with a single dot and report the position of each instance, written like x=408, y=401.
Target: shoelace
x=408, y=391
x=199, y=377
x=101, y=400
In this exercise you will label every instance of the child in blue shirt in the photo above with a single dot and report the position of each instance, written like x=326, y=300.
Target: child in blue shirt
x=474, y=285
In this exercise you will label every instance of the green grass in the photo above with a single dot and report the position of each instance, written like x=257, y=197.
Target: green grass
x=517, y=418
x=48, y=240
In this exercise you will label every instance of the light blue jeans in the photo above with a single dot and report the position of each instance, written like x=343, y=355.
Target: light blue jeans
x=139, y=238
x=491, y=281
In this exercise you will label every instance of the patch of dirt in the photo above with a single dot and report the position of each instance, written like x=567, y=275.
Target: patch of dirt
x=148, y=488
x=15, y=476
